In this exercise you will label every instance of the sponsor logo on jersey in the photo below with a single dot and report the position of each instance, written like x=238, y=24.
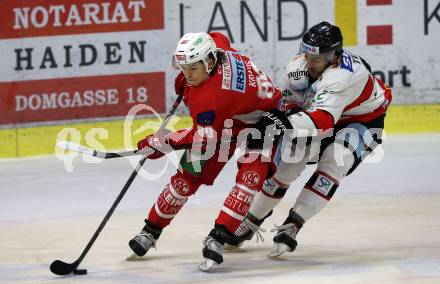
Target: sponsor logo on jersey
x=250, y=67
x=251, y=178
x=238, y=72
x=347, y=61
x=226, y=82
x=319, y=97
x=206, y=118
x=269, y=186
x=239, y=201
x=168, y=204
x=180, y=186
x=323, y=184
x=298, y=74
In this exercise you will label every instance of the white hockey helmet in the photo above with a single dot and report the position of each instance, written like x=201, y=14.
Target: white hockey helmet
x=194, y=47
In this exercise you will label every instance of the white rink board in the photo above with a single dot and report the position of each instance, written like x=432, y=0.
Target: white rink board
x=271, y=41
x=411, y=47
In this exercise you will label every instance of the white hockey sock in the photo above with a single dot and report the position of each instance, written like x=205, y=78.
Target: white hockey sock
x=308, y=204
x=262, y=205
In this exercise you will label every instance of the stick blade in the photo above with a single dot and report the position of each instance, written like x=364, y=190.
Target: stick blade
x=59, y=267
x=66, y=145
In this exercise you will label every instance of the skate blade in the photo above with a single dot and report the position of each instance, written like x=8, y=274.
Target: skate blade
x=228, y=247
x=278, y=250
x=135, y=257
x=207, y=265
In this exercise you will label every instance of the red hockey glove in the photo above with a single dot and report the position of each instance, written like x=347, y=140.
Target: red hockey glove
x=179, y=83
x=157, y=142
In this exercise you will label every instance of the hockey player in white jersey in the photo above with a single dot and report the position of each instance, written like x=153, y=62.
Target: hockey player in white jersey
x=330, y=97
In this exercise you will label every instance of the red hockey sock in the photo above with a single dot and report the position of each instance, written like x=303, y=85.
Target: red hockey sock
x=172, y=199
x=249, y=180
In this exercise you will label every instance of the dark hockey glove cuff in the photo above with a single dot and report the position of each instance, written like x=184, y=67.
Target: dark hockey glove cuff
x=271, y=127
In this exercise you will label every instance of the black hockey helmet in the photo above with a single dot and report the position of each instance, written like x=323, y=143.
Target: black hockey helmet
x=322, y=38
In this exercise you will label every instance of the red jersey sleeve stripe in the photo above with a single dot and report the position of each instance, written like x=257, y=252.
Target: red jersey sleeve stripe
x=322, y=119
x=365, y=95
x=372, y=115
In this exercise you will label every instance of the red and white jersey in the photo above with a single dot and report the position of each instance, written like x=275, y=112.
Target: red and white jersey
x=237, y=91
x=344, y=93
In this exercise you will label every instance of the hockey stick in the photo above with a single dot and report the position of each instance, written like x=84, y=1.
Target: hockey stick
x=67, y=145
x=62, y=268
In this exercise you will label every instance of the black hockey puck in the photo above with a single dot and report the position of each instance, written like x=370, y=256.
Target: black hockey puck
x=80, y=271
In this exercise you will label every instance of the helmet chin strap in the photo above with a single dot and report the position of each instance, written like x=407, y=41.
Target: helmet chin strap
x=329, y=63
x=331, y=56
x=207, y=64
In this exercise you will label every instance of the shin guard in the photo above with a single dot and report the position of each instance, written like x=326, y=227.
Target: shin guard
x=249, y=180
x=315, y=195
x=267, y=198
x=172, y=199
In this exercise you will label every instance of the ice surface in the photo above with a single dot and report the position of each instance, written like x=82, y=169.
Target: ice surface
x=382, y=225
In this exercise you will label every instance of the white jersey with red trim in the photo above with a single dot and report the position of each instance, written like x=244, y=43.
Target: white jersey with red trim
x=342, y=94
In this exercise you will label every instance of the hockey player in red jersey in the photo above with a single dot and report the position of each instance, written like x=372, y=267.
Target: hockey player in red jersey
x=330, y=94
x=225, y=93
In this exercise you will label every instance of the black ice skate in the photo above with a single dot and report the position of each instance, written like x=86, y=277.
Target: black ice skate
x=212, y=253
x=144, y=241
x=249, y=227
x=213, y=247
x=285, y=238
